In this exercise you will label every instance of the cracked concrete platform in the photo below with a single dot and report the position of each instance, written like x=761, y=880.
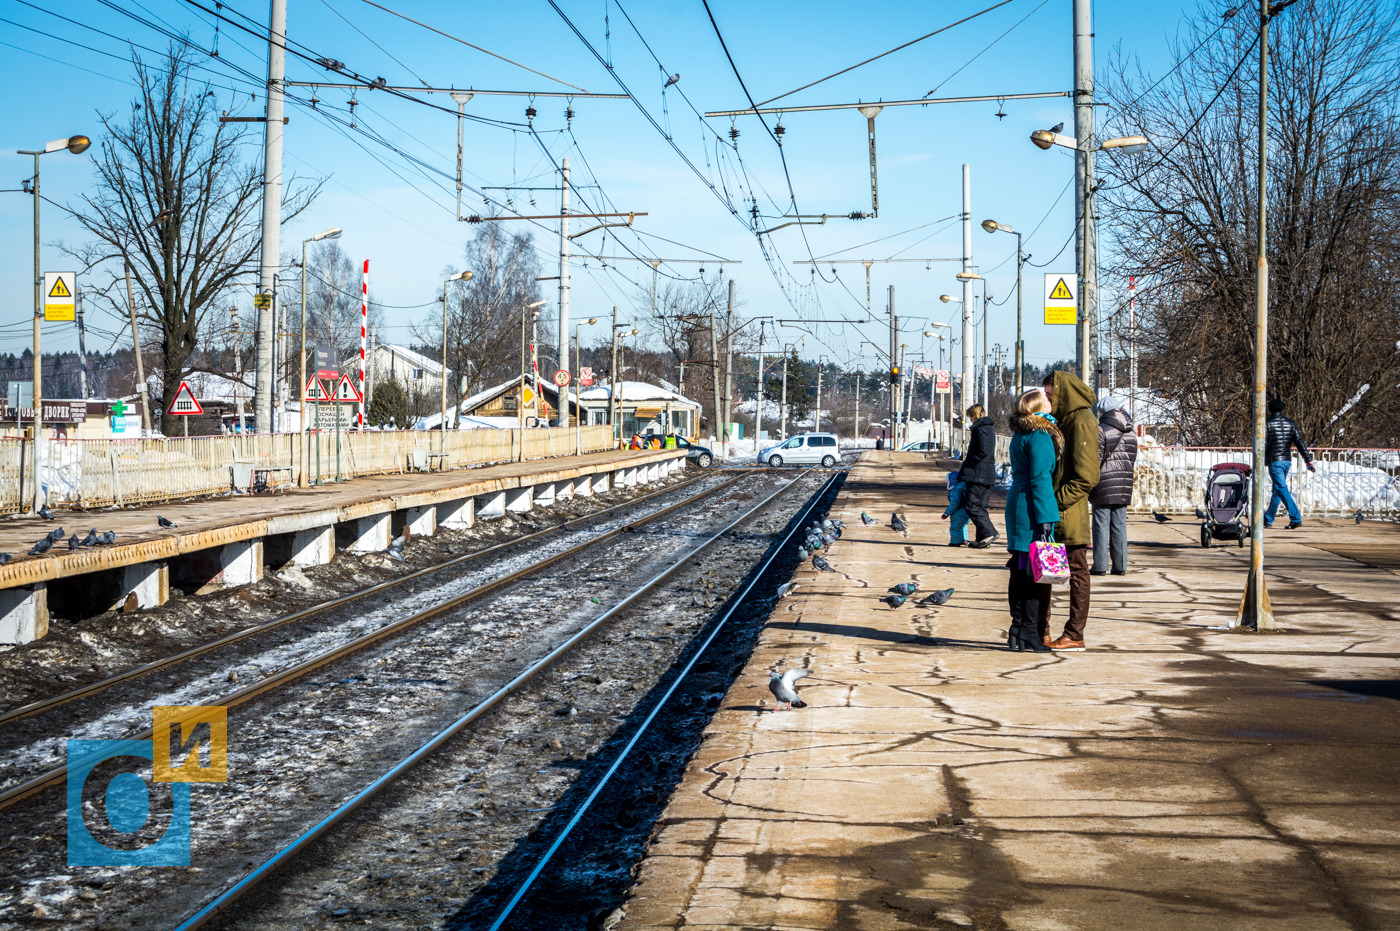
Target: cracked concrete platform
x=1174, y=776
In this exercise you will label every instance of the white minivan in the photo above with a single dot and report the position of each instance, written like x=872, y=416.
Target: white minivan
x=807, y=449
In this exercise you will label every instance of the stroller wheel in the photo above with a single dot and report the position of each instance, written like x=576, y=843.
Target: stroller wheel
x=1205, y=535
x=1240, y=534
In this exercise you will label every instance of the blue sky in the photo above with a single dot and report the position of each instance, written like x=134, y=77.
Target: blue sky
x=400, y=215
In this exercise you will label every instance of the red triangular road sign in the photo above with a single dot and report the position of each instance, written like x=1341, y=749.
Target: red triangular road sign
x=185, y=403
x=345, y=390
x=315, y=390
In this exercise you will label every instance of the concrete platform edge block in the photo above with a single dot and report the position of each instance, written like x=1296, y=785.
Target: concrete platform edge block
x=491, y=504
x=24, y=613
x=421, y=521
x=242, y=562
x=544, y=494
x=583, y=486
x=372, y=533
x=520, y=500
x=602, y=481
x=457, y=515
x=564, y=489
x=148, y=581
x=314, y=547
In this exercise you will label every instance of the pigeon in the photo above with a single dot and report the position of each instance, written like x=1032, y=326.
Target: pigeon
x=167, y=524
x=821, y=565
x=867, y=519
x=395, y=550
x=784, y=690
x=905, y=588
x=107, y=539
x=1202, y=514
x=894, y=601
x=42, y=547
x=1057, y=127
x=73, y=542
x=898, y=524
x=673, y=79
x=57, y=535
x=938, y=598
x=1359, y=516
x=1160, y=518
x=787, y=588
x=802, y=553
x=45, y=513
x=90, y=539
x=4, y=558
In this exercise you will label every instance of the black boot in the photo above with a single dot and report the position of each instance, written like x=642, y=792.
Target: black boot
x=1029, y=632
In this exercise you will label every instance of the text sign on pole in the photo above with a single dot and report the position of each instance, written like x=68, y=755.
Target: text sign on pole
x=943, y=384
x=1061, y=300
x=59, y=288
x=327, y=362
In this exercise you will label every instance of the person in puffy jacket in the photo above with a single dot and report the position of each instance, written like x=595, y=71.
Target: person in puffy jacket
x=955, y=511
x=1281, y=434
x=1031, y=515
x=1111, y=496
x=1076, y=474
x=979, y=474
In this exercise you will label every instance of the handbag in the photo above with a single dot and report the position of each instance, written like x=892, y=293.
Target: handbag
x=1049, y=562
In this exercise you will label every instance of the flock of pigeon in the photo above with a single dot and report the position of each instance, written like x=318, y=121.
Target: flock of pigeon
x=93, y=538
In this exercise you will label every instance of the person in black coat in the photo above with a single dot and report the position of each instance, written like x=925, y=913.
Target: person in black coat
x=1281, y=434
x=1110, y=498
x=979, y=474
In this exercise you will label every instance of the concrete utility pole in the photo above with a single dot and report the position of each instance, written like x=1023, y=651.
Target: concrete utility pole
x=272, y=210
x=758, y=414
x=714, y=372
x=82, y=345
x=782, y=408
x=817, y=422
x=1132, y=348
x=1086, y=247
x=564, y=284
x=968, y=363
x=894, y=364
x=140, y=367
x=729, y=366
x=855, y=433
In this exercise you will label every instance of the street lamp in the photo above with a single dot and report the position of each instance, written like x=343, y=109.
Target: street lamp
x=578, y=387
x=973, y=276
x=993, y=226
x=460, y=276
x=77, y=145
x=941, y=337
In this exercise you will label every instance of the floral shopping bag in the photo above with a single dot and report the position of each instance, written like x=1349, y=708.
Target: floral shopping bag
x=1049, y=562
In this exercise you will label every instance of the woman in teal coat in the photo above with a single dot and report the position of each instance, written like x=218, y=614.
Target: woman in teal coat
x=1031, y=514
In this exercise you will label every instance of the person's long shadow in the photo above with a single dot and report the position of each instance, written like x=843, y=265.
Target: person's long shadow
x=884, y=636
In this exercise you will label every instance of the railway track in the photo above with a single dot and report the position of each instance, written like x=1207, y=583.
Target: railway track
x=58, y=774
x=221, y=904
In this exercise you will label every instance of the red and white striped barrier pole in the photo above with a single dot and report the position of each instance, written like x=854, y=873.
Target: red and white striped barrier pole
x=364, y=325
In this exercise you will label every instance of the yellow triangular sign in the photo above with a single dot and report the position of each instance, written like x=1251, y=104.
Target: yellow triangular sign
x=59, y=289
x=1061, y=293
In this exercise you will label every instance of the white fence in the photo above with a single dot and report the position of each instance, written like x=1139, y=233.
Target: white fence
x=104, y=473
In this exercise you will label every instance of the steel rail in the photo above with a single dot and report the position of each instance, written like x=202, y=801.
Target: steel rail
x=291, y=673
x=657, y=706
x=231, y=895
x=135, y=672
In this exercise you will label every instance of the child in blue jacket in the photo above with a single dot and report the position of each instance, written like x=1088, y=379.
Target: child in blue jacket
x=955, y=511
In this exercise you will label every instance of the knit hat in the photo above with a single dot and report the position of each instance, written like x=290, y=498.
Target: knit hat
x=1275, y=406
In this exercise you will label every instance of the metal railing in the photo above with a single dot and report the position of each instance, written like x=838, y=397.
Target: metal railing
x=121, y=472
x=1172, y=479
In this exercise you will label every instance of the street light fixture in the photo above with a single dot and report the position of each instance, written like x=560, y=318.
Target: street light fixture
x=993, y=226
x=76, y=145
x=460, y=276
x=1044, y=139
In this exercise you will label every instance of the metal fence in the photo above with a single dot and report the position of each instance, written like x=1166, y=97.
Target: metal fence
x=119, y=472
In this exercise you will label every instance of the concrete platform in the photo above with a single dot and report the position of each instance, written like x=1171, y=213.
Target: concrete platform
x=226, y=541
x=1175, y=776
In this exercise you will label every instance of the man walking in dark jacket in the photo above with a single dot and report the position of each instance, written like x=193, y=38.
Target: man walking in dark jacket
x=1111, y=496
x=1076, y=474
x=979, y=474
x=1281, y=435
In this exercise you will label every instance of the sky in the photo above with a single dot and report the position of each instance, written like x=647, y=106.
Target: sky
x=389, y=182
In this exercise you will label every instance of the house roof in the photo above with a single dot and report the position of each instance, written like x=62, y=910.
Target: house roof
x=416, y=359
x=633, y=391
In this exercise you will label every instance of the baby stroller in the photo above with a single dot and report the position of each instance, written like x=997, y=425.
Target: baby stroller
x=1227, y=497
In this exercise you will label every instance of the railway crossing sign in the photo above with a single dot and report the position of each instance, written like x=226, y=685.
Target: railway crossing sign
x=561, y=378
x=185, y=403
x=59, y=288
x=345, y=390
x=1061, y=305
x=316, y=390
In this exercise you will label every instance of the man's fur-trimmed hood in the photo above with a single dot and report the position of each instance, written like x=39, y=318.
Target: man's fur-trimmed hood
x=1029, y=423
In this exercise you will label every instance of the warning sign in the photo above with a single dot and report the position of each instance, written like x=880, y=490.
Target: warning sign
x=943, y=384
x=1061, y=306
x=345, y=390
x=316, y=390
x=59, y=288
x=561, y=378
x=185, y=402
x=585, y=376
x=262, y=301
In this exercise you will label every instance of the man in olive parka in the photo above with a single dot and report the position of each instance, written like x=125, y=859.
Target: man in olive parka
x=1076, y=474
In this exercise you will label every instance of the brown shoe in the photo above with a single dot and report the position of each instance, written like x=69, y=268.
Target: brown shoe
x=1045, y=639
x=1066, y=645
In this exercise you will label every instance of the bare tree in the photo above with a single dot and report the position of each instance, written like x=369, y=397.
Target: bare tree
x=1183, y=217
x=177, y=199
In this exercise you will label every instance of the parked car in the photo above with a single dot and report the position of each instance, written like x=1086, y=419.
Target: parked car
x=807, y=449
x=700, y=455
x=920, y=446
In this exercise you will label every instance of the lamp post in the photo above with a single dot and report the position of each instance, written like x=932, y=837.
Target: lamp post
x=460, y=276
x=817, y=423
x=333, y=233
x=993, y=226
x=974, y=277
x=578, y=388
x=612, y=379
x=941, y=337
x=77, y=145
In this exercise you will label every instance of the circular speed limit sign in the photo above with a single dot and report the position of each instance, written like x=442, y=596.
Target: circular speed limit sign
x=561, y=378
